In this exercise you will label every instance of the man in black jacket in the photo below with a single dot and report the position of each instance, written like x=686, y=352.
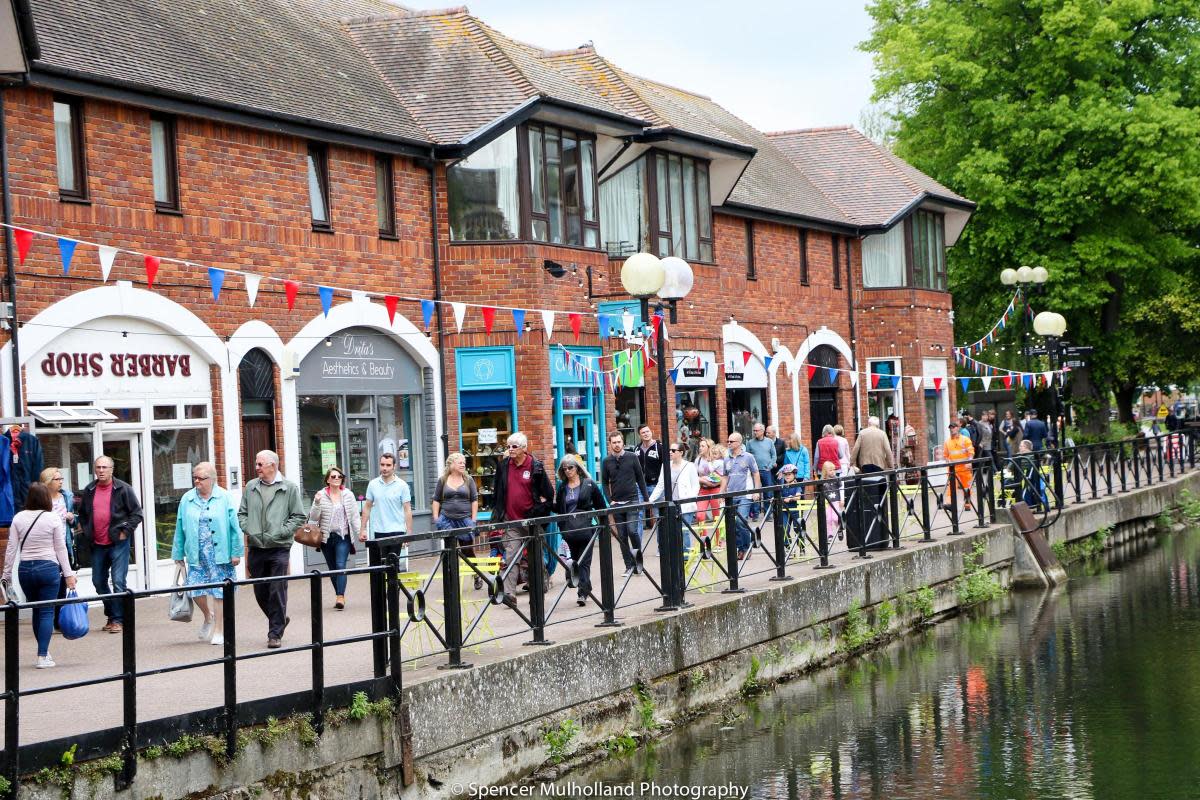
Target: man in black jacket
x=625, y=482
x=780, y=446
x=109, y=513
x=523, y=491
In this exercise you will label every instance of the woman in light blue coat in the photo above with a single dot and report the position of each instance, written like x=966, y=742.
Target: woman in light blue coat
x=209, y=541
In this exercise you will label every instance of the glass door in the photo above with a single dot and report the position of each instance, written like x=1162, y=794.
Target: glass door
x=360, y=444
x=173, y=453
x=125, y=451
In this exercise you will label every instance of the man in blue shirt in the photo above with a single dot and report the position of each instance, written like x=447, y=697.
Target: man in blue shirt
x=389, y=503
x=763, y=450
x=743, y=473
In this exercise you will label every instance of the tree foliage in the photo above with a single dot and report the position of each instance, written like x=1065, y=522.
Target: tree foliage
x=1075, y=126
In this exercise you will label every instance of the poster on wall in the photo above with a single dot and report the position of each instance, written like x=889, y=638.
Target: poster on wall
x=328, y=456
x=487, y=435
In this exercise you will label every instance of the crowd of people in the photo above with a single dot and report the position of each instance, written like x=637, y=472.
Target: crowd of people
x=214, y=534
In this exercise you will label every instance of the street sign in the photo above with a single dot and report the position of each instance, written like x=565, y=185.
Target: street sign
x=1162, y=411
x=1077, y=350
x=1075, y=363
x=1033, y=351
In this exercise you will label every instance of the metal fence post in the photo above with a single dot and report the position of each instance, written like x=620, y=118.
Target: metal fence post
x=858, y=500
x=318, y=650
x=608, y=595
x=452, y=602
x=1121, y=464
x=926, y=520
x=894, y=508
x=731, y=559
x=229, y=667
x=777, y=523
x=1092, y=470
x=669, y=563
x=129, y=739
x=394, y=626
x=1158, y=446
x=535, y=559
x=377, y=586
x=1078, y=470
x=979, y=509
x=12, y=703
x=1108, y=468
x=822, y=530
x=952, y=479
x=1056, y=466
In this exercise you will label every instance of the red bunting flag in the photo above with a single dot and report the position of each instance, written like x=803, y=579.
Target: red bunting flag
x=151, y=270
x=1007, y=381
x=389, y=302
x=937, y=384
x=874, y=380
x=291, y=288
x=657, y=320
x=489, y=318
x=24, y=242
x=576, y=322
x=745, y=357
x=811, y=371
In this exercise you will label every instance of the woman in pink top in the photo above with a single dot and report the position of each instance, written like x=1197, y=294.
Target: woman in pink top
x=39, y=533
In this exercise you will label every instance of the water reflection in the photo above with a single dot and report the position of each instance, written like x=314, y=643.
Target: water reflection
x=1091, y=692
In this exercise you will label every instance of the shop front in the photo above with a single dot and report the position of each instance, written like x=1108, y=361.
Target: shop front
x=135, y=392
x=822, y=391
x=579, y=416
x=937, y=406
x=361, y=394
x=695, y=397
x=884, y=392
x=623, y=319
x=746, y=384
x=487, y=413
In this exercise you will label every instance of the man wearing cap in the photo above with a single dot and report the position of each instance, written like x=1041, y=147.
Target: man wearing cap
x=958, y=448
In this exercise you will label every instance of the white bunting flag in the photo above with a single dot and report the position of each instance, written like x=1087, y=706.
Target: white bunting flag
x=359, y=297
x=548, y=322
x=916, y=379
x=854, y=379
x=1049, y=376
x=252, y=282
x=627, y=323
x=460, y=312
x=107, y=256
x=666, y=334
x=987, y=381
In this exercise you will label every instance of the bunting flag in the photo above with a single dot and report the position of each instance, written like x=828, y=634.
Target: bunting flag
x=107, y=256
x=216, y=279
x=427, y=312
x=24, y=242
x=576, y=323
x=358, y=297
x=290, y=290
x=326, y=295
x=152, y=263
x=673, y=374
x=602, y=323
x=916, y=382
x=627, y=323
x=1027, y=380
x=854, y=379
x=1007, y=381
x=519, y=321
x=548, y=324
x=252, y=282
x=66, y=249
x=874, y=380
x=460, y=313
x=767, y=362
x=745, y=357
x=987, y=382
x=489, y=318
x=937, y=384
x=964, y=382
x=390, y=302
x=833, y=374
x=656, y=323
x=811, y=370
x=1049, y=376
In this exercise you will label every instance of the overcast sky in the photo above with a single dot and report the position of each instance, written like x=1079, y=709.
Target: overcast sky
x=777, y=65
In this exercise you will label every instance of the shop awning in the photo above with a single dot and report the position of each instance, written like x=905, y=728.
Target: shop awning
x=70, y=415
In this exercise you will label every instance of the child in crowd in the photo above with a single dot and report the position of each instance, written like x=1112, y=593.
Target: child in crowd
x=791, y=491
x=833, y=499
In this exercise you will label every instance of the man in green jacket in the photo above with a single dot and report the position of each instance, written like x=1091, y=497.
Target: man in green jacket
x=270, y=514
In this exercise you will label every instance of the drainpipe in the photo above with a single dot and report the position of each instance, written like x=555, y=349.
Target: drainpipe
x=858, y=420
x=10, y=273
x=431, y=164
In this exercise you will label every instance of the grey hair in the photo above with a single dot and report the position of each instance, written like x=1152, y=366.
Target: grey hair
x=206, y=468
x=873, y=422
x=111, y=463
x=827, y=430
x=519, y=439
x=269, y=455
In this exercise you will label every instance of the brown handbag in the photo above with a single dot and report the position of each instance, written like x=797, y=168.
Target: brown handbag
x=309, y=535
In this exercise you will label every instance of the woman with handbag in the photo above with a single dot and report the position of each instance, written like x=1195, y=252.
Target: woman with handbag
x=64, y=509
x=578, y=492
x=36, y=547
x=455, y=505
x=208, y=541
x=335, y=513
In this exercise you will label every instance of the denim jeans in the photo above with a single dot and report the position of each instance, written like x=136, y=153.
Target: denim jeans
x=768, y=479
x=39, y=581
x=336, y=550
x=110, y=561
x=742, y=507
x=629, y=533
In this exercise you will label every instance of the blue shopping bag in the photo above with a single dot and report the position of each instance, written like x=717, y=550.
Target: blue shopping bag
x=73, y=618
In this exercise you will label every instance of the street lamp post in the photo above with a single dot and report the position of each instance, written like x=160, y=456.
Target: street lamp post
x=1032, y=280
x=670, y=279
x=1052, y=326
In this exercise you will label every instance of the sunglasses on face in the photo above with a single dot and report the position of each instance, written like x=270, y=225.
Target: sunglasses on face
x=571, y=467
x=676, y=450
x=336, y=477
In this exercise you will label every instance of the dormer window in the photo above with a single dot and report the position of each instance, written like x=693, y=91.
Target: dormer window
x=659, y=204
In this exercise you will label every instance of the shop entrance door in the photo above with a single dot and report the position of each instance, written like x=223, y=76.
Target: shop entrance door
x=125, y=449
x=577, y=438
x=823, y=409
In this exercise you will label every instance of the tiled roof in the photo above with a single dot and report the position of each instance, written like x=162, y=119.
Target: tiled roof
x=867, y=182
x=278, y=58
x=457, y=75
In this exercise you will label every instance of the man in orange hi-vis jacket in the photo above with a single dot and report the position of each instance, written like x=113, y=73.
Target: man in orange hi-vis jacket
x=959, y=448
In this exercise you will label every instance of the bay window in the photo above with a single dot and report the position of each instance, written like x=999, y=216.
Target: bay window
x=625, y=212
x=483, y=193
x=912, y=254
x=562, y=186
x=684, y=208
x=928, y=250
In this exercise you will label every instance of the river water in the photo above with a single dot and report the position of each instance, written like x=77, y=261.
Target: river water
x=1088, y=692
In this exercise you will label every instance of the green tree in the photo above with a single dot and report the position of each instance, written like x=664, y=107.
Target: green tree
x=1074, y=124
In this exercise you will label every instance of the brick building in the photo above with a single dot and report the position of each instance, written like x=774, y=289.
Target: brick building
x=317, y=141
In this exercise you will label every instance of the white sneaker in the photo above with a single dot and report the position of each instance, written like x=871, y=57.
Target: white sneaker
x=628, y=572
x=206, y=629
x=44, y=662
x=218, y=639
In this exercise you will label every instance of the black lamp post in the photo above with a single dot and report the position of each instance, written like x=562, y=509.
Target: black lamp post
x=1051, y=326
x=670, y=279
x=1032, y=281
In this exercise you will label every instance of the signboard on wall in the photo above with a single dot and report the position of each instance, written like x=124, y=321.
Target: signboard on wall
x=696, y=367
x=359, y=361
x=117, y=356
